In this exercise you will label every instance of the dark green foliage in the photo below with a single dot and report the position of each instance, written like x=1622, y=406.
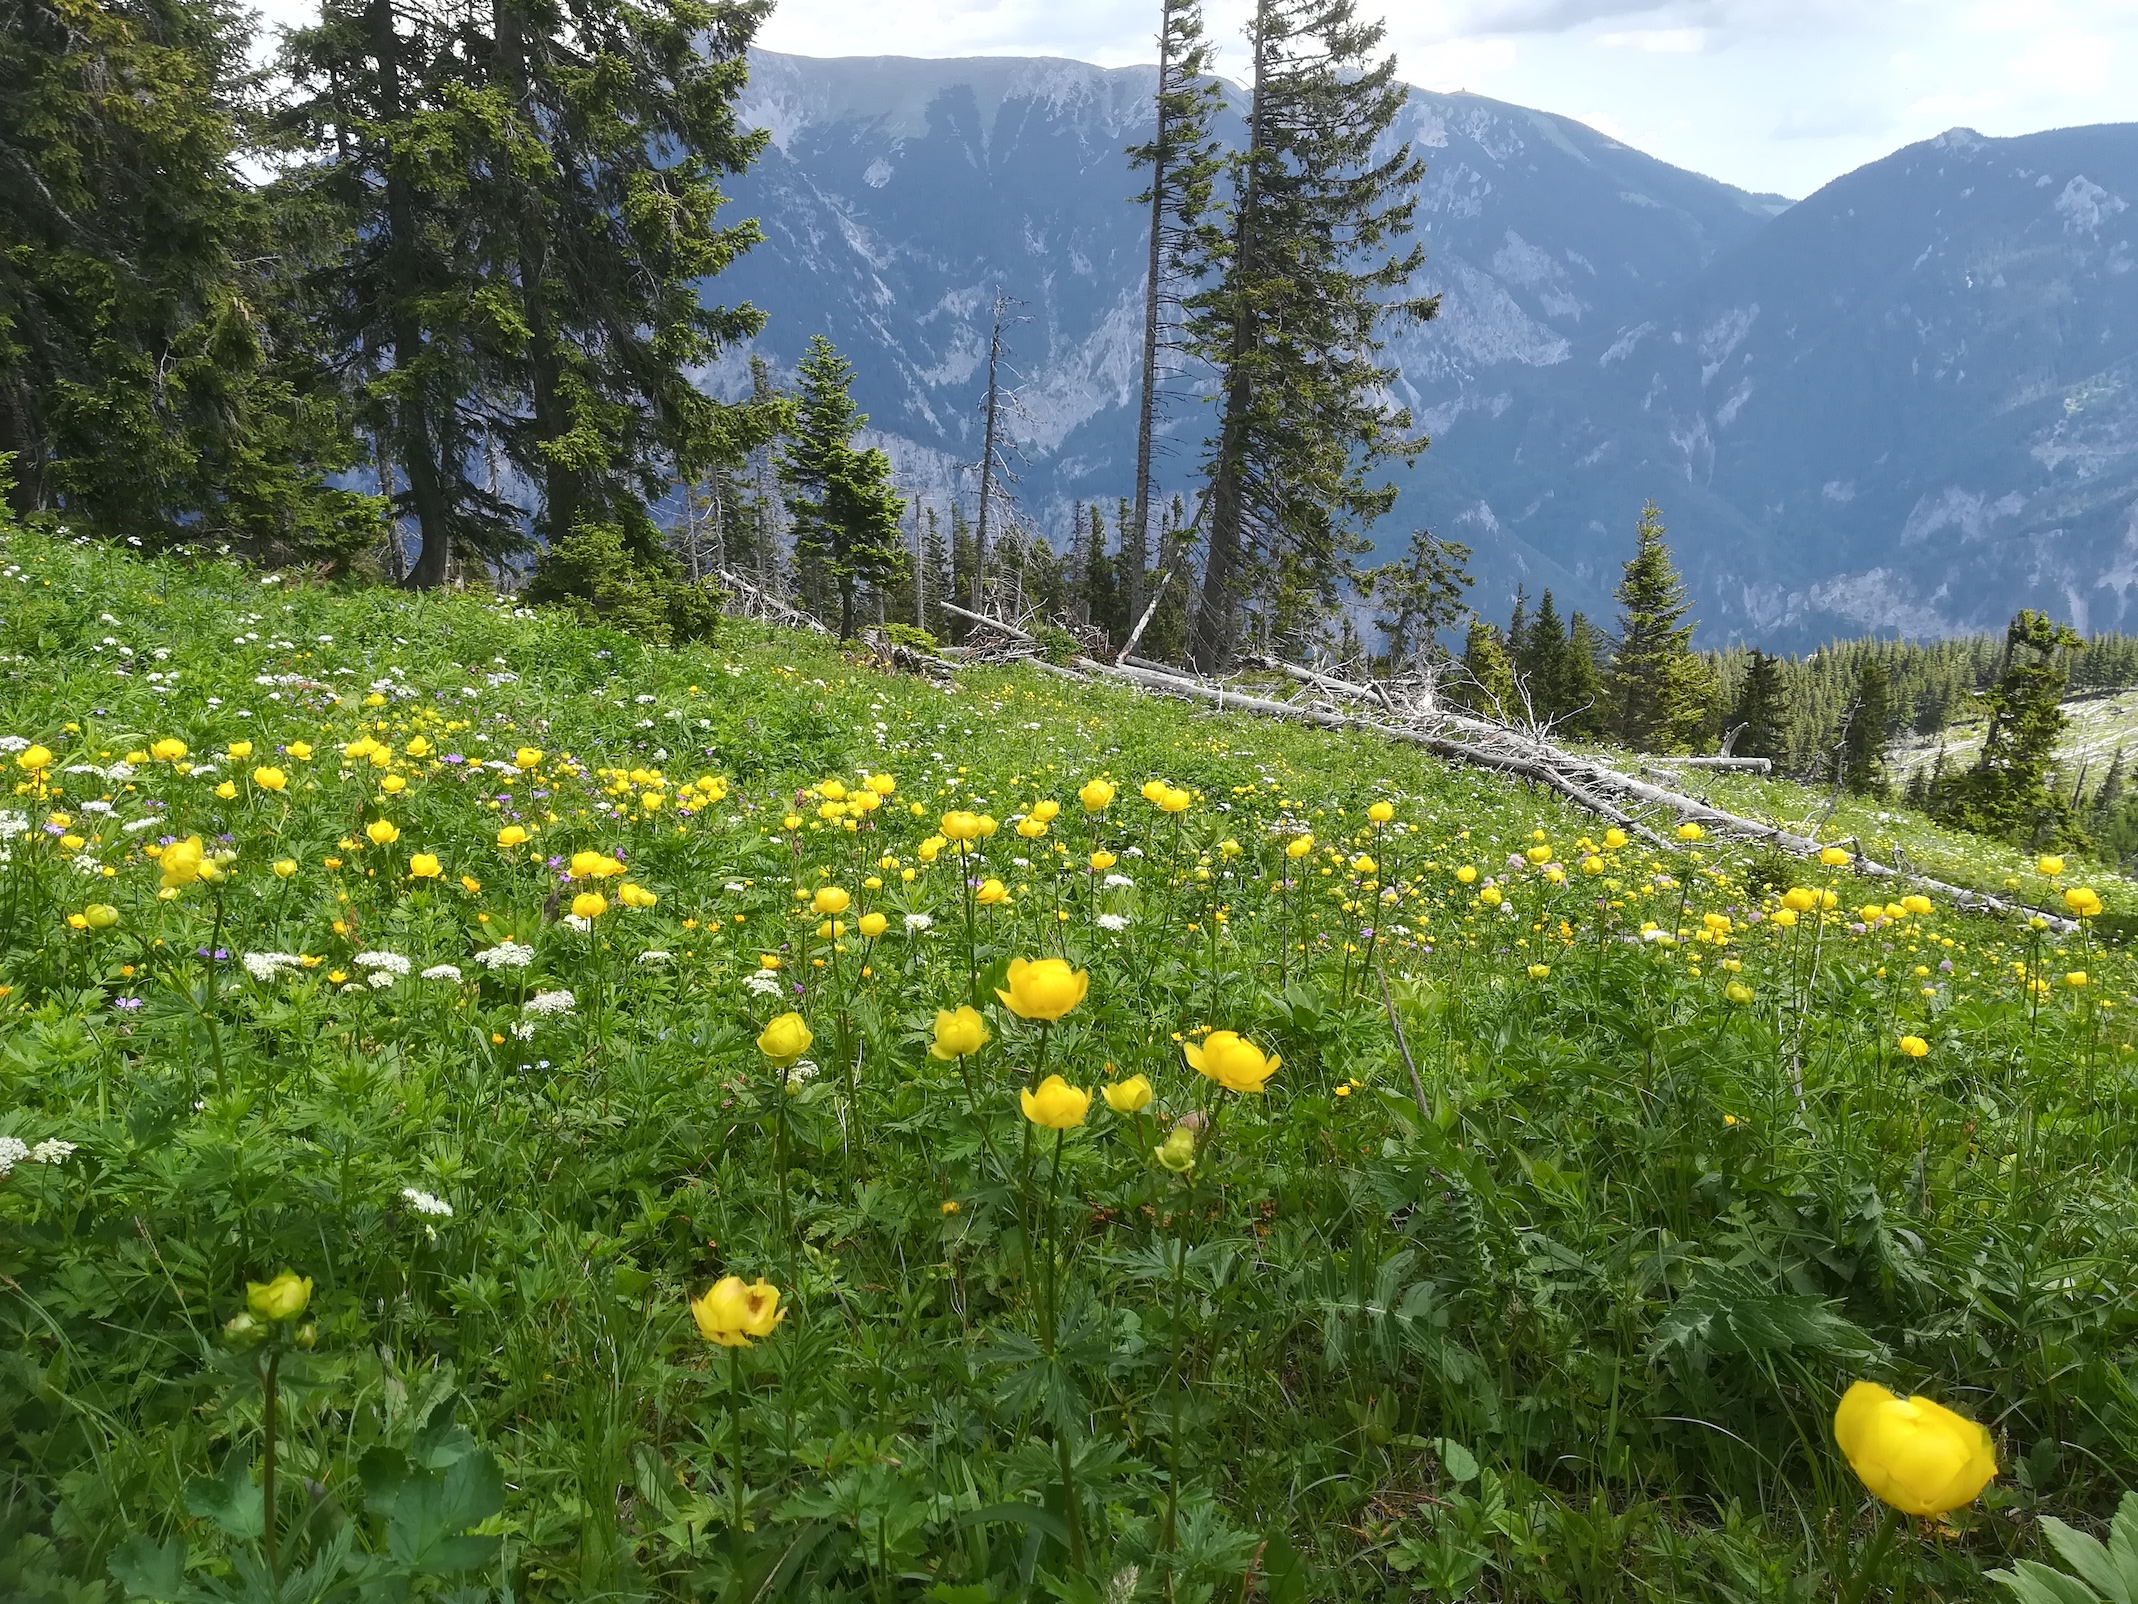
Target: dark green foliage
x=1487, y=683
x=152, y=383
x=1661, y=692
x=596, y=576
x=2007, y=791
x=1306, y=278
x=1870, y=726
x=1760, y=715
x=1419, y=598
x=846, y=516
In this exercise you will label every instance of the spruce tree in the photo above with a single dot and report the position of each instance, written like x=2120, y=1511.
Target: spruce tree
x=2007, y=792
x=1307, y=278
x=1540, y=660
x=1761, y=715
x=152, y=381
x=1863, y=748
x=1660, y=690
x=846, y=516
x=1487, y=685
x=1415, y=600
x=1584, y=690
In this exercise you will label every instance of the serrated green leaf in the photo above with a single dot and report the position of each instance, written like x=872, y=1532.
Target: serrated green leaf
x=153, y=1571
x=2032, y=1582
x=231, y=1500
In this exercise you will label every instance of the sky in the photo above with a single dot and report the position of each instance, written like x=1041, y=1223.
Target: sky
x=1774, y=95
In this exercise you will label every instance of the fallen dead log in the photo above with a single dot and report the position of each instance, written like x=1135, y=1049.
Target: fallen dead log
x=1737, y=765
x=768, y=605
x=1010, y=630
x=1583, y=781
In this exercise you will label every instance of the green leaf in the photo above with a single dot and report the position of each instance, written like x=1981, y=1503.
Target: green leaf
x=963, y=1593
x=2089, y=1560
x=427, y=1510
x=155, y=1571
x=1284, y=1573
x=231, y=1500
x=2035, y=1583
x=1460, y=1463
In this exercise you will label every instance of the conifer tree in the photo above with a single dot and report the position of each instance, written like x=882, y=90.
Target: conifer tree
x=151, y=384
x=1761, y=715
x=1540, y=660
x=1863, y=750
x=2007, y=792
x=1415, y=600
x=1182, y=156
x=1660, y=691
x=1488, y=685
x=1584, y=689
x=1307, y=278
x=846, y=516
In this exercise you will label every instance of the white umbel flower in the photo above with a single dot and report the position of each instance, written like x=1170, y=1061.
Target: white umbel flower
x=506, y=955
x=424, y=1203
x=545, y=1003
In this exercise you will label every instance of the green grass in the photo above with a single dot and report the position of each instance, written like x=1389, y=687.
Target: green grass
x=1573, y=1327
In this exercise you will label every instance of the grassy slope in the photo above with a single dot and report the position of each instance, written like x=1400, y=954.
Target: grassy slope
x=1623, y=1267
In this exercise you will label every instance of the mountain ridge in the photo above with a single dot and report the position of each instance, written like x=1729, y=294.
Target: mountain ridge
x=1580, y=280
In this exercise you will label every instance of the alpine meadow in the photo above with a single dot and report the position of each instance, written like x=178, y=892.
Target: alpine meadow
x=677, y=928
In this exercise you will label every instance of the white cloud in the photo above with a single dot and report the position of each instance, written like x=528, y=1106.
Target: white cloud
x=1658, y=41
x=2067, y=63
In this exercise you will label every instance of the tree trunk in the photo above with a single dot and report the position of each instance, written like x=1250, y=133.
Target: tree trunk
x=1211, y=637
x=987, y=464
x=412, y=424
x=1135, y=540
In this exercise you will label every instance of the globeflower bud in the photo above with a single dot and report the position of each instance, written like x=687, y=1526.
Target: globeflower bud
x=958, y=1033
x=1128, y=1096
x=283, y=1298
x=1177, y=1151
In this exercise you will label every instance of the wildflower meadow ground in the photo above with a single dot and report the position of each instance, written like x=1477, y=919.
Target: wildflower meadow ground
x=492, y=1110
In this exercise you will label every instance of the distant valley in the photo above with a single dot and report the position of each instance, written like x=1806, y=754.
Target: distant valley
x=1903, y=404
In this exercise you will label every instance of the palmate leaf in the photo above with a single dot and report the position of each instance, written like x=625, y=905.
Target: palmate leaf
x=2103, y=1573
x=1725, y=1311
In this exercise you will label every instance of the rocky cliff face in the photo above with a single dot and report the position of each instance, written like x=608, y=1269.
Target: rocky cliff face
x=1904, y=403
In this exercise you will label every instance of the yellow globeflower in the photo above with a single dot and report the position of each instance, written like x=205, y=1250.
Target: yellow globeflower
x=961, y=826
x=393, y=785
x=269, y=778
x=589, y=905
x=881, y=784
x=512, y=836
x=831, y=900
x=34, y=758
x=1689, y=831
x=238, y=751
x=1103, y=860
x=1177, y=1151
x=1031, y=828
x=1912, y=1453
x=383, y=832
x=301, y=751
x=527, y=757
x=2050, y=864
x=1539, y=854
x=1299, y=846
x=2075, y=979
x=1046, y=812
x=1540, y=971
x=1380, y=813
x=1738, y=992
x=1046, y=988
x=227, y=791
x=1918, y=905
x=1592, y=864
x=1128, y=1096
x=735, y=1314
x=635, y=896
x=1833, y=857
x=1614, y=838
x=1800, y=899
x=182, y=863
x=2082, y=901
x=100, y=916
x=1914, y=1046
x=1055, y=1104
x=1467, y=874
x=168, y=750
x=928, y=849
x=1232, y=1061
x=425, y=866
x=283, y=1298
x=285, y=867
x=1174, y=800
x=872, y=925
x=1096, y=795
x=958, y=1033
x=785, y=1039
x=594, y=865
x=990, y=893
